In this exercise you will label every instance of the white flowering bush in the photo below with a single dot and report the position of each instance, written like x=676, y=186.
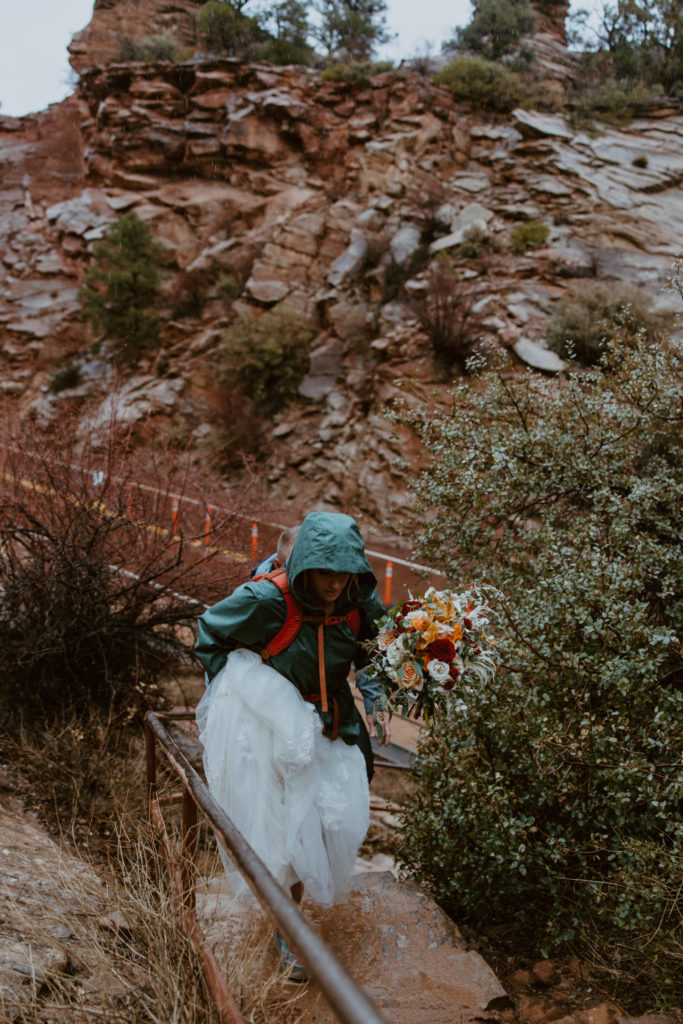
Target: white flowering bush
x=556, y=799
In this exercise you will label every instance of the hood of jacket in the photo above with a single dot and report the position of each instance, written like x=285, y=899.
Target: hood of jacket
x=330, y=540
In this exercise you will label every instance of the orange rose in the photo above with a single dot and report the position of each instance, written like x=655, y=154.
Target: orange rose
x=385, y=637
x=411, y=679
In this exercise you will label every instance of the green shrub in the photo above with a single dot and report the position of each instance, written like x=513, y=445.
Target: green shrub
x=240, y=434
x=351, y=29
x=284, y=52
x=477, y=241
x=552, y=800
x=224, y=29
x=610, y=101
x=528, y=236
x=265, y=359
x=66, y=377
x=496, y=27
x=150, y=49
x=487, y=86
x=228, y=288
x=584, y=321
x=358, y=72
x=445, y=315
x=120, y=290
x=190, y=291
x=642, y=42
x=288, y=22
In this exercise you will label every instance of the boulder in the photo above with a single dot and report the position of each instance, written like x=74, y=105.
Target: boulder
x=325, y=369
x=81, y=214
x=405, y=243
x=49, y=898
x=470, y=217
x=247, y=137
x=136, y=401
x=267, y=292
x=535, y=124
x=349, y=263
x=539, y=358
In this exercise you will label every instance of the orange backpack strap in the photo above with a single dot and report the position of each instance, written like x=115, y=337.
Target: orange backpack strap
x=352, y=620
x=293, y=619
x=293, y=622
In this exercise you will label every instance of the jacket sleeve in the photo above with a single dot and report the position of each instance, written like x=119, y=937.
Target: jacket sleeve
x=371, y=610
x=248, y=617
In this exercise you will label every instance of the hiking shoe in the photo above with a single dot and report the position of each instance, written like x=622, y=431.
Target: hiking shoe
x=294, y=970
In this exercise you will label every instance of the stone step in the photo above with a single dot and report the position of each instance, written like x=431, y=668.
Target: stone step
x=406, y=954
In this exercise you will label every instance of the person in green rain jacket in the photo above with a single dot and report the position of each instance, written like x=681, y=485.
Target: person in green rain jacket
x=255, y=612
x=288, y=771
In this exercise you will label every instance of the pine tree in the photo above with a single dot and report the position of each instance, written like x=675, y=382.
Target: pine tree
x=352, y=28
x=226, y=29
x=120, y=290
x=496, y=27
x=288, y=22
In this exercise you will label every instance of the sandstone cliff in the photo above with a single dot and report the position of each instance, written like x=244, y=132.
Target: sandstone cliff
x=313, y=194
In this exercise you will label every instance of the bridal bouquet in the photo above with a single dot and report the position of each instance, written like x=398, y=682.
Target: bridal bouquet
x=429, y=649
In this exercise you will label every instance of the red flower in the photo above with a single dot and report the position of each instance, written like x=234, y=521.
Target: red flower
x=467, y=623
x=442, y=650
x=455, y=673
x=410, y=606
x=449, y=684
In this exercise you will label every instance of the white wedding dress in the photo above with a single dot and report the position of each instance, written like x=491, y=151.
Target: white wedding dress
x=300, y=800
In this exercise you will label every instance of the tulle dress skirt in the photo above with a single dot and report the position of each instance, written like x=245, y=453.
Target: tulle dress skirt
x=300, y=800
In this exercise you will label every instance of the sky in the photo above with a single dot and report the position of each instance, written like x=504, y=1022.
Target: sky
x=34, y=68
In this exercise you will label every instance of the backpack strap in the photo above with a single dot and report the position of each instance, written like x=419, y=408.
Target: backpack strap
x=294, y=620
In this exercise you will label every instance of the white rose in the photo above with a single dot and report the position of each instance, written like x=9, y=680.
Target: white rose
x=438, y=670
x=393, y=675
x=396, y=652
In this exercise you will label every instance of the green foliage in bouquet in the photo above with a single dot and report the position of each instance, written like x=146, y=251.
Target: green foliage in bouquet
x=555, y=800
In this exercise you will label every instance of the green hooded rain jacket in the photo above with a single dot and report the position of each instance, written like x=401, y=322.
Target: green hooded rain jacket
x=254, y=613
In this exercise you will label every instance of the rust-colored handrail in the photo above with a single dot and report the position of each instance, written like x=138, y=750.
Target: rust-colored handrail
x=343, y=994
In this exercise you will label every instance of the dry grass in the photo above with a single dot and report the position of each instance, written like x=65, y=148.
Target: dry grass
x=90, y=775
x=254, y=976
x=126, y=957
x=123, y=954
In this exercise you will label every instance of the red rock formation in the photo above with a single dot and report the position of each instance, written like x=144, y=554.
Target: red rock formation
x=551, y=17
x=310, y=198
x=114, y=20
